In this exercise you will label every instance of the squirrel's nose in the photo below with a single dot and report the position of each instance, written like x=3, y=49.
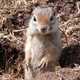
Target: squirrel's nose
x=43, y=29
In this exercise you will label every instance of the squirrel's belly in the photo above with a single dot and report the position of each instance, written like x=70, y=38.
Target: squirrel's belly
x=37, y=52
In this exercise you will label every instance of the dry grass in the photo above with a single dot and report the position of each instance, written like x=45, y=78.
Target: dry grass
x=14, y=17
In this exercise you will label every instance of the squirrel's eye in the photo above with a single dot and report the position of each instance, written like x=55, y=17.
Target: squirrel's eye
x=34, y=19
x=51, y=18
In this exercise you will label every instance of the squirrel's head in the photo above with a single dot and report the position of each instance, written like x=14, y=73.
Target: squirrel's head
x=43, y=21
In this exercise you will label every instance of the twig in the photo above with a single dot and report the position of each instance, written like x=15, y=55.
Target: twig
x=19, y=30
x=64, y=35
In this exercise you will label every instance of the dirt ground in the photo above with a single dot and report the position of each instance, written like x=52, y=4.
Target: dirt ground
x=14, y=17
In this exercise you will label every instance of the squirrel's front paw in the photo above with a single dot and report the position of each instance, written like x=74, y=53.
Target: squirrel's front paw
x=28, y=60
x=28, y=63
x=43, y=63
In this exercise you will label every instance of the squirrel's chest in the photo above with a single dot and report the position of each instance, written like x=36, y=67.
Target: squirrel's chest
x=39, y=46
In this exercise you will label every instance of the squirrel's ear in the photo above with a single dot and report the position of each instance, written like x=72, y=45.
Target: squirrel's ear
x=32, y=10
x=54, y=12
x=53, y=8
x=35, y=5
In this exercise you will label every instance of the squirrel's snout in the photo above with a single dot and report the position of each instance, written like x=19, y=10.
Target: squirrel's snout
x=46, y=29
x=43, y=30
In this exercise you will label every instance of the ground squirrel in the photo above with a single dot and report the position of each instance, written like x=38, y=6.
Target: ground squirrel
x=43, y=44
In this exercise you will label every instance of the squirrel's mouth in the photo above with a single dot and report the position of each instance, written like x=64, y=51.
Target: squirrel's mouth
x=42, y=33
x=45, y=32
